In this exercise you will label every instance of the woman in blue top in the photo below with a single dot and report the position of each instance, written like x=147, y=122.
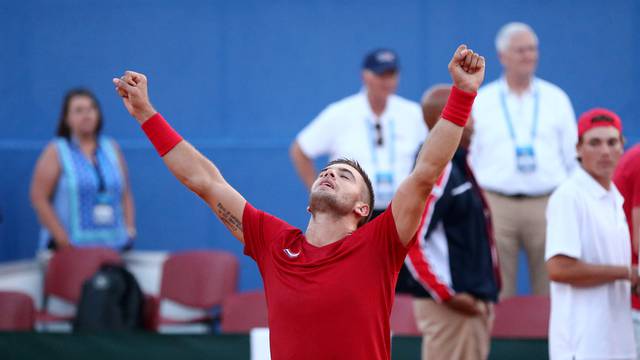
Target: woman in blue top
x=80, y=189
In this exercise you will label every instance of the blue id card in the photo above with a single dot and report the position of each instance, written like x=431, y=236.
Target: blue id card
x=103, y=211
x=384, y=187
x=525, y=159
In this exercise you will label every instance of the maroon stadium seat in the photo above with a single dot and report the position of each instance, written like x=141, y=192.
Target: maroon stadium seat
x=197, y=279
x=242, y=312
x=403, y=321
x=522, y=317
x=17, y=312
x=68, y=269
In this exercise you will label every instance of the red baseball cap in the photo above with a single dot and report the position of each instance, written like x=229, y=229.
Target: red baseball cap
x=598, y=117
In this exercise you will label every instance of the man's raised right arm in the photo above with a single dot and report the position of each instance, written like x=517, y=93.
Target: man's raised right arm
x=186, y=163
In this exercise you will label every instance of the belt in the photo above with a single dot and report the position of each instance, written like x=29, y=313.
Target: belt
x=520, y=196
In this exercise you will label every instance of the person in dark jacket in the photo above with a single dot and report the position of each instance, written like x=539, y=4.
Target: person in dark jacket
x=452, y=270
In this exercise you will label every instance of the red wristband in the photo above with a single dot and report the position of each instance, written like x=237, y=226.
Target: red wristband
x=458, y=106
x=161, y=134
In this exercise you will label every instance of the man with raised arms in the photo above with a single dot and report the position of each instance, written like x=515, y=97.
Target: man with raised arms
x=329, y=289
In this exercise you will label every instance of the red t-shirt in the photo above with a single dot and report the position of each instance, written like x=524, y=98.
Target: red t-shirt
x=627, y=180
x=329, y=302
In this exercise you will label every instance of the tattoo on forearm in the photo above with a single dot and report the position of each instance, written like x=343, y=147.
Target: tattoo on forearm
x=231, y=222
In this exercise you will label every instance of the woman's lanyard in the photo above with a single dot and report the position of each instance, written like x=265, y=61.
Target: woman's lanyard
x=102, y=185
x=103, y=210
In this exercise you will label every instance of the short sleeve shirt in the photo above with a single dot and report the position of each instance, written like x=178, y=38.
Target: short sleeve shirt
x=346, y=129
x=627, y=179
x=329, y=302
x=541, y=118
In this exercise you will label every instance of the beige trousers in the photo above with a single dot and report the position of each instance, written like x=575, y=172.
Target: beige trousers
x=448, y=334
x=520, y=223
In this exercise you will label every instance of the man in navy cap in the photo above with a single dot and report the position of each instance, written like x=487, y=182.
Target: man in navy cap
x=379, y=129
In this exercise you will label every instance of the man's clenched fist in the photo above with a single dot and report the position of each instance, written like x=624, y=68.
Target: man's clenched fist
x=132, y=87
x=466, y=69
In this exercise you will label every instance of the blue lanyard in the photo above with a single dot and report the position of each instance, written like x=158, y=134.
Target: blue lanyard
x=507, y=115
x=95, y=165
x=102, y=188
x=374, y=145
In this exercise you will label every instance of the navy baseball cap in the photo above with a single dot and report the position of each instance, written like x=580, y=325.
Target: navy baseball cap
x=381, y=60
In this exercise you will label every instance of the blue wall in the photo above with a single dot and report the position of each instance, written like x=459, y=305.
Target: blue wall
x=241, y=78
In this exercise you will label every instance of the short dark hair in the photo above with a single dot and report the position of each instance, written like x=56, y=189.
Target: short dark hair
x=354, y=164
x=63, y=127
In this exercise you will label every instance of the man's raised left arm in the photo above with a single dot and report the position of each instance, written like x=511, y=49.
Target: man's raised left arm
x=467, y=71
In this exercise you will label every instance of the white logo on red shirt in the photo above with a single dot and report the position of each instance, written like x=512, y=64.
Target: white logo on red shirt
x=291, y=254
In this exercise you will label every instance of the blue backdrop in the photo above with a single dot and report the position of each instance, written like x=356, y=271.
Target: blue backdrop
x=240, y=78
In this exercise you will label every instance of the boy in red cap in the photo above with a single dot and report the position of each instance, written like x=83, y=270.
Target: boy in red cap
x=587, y=252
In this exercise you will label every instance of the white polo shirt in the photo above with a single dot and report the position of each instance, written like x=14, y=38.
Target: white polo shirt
x=586, y=222
x=542, y=118
x=347, y=129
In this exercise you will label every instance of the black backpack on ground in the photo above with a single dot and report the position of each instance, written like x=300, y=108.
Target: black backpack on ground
x=111, y=300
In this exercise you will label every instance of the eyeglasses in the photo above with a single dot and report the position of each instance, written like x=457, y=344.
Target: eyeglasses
x=379, y=138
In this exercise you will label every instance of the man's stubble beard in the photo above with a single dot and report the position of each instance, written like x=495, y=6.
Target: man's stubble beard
x=320, y=201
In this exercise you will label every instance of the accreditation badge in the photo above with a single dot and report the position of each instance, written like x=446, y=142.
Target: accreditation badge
x=384, y=187
x=526, y=159
x=103, y=211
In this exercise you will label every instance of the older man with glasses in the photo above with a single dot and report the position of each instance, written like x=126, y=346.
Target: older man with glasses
x=379, y=129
